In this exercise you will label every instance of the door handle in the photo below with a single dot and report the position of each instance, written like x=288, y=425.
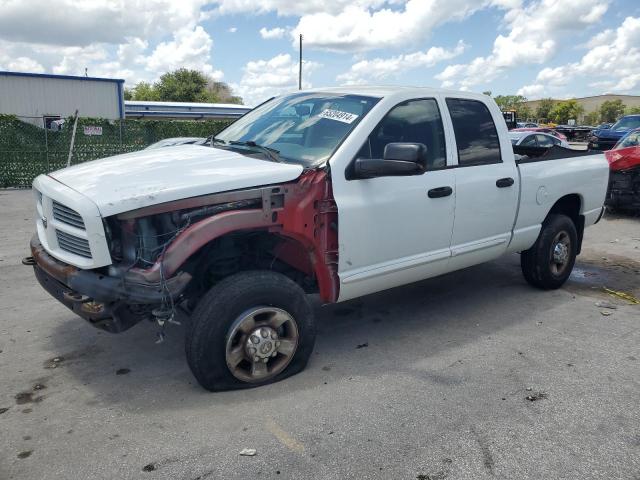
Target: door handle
x=505, y=182
x=440, y=192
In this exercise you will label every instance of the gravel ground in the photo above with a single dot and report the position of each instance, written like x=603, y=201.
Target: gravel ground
x=428, y=381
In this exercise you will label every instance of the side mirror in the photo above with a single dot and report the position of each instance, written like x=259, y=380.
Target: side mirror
x=400, y=159
x=408, y=152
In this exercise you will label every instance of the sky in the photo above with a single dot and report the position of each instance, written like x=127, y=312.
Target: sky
x=535, y=48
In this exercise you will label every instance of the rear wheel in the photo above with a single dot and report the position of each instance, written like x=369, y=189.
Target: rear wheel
x=251, y=329
x=549, y=262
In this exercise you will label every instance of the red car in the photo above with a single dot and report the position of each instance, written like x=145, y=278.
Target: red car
x=550, y=131
x=624, y=172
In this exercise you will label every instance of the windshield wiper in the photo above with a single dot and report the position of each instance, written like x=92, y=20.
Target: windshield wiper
x=211, y=140
x=271, y=153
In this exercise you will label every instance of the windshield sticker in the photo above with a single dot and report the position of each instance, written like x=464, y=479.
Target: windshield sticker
x=344, y=117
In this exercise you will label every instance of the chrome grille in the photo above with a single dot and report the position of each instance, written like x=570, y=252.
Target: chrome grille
x=72, y=244
x=66, y=215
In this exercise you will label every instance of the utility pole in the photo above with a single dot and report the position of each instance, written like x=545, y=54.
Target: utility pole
x=300, y=66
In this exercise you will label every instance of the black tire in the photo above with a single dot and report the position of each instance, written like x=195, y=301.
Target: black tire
x=214, y=317
x=536, y=263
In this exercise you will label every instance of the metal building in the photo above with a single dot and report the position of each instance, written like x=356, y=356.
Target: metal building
x=41, y=98
x=183, y=110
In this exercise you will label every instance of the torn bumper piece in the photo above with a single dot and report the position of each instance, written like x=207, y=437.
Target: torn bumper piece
x=111, y=303
x=624, y=189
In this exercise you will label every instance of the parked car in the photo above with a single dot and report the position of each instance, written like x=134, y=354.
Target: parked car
x=527, y=125
x=353, y=194
x=624, y=177
x=605, y=139
x=574, y=132
x=172, y=142
x=548, y=130
x=535, y=139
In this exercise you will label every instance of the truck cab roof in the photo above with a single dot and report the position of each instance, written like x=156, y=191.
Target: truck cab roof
x=384, y=91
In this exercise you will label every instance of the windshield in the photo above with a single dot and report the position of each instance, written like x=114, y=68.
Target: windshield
x=304, y=128
x=626, y=123
x=632, y=139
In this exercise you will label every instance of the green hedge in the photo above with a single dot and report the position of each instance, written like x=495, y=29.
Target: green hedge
x=26, y=150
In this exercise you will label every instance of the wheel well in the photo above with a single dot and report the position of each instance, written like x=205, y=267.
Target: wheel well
x=570, y=206
x=255, y=250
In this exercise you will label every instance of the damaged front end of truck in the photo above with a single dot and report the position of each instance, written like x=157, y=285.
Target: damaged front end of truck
x=165, y=257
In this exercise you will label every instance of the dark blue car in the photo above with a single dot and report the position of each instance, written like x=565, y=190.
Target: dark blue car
x=605, y=139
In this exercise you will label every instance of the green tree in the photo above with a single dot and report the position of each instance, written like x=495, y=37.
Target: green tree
x=182, y=85
x=509, y=102
x=591, y=118
x=611, y=110
x=513, y=102
x=562, y=112
x=632, y=110
x=544, y=108
x=220, y=92
x=524, y=112
x=144, y=91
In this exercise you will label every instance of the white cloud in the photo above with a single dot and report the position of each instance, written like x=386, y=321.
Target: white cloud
x=265, y=78
x=605, y=36
x=288, y=7
x=357, y=27
x=190, y=48
x=132, y=52
x=532, y=91
x=614, y=57
x=23, y=64
x=378, y=69
x=232, y=29
x=84, y=22
x=114, y=39
x=273, y=33
x=534, y=31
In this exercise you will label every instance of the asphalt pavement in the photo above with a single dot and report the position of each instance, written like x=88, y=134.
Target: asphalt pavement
x=473, y=375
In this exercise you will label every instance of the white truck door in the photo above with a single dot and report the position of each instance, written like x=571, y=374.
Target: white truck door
x=486, y=184
x=397, y=229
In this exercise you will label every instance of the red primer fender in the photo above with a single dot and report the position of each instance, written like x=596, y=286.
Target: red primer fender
x=309, y=217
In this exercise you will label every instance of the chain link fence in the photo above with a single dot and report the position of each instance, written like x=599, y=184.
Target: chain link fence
x=27, y=149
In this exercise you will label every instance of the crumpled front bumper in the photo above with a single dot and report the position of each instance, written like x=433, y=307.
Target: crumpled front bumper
x=111, y=303
x=624, y=189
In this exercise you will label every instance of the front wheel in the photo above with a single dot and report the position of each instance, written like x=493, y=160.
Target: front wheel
x=549, y=262
x=250, y=329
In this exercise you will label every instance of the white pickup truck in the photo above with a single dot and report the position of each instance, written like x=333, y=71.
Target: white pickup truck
x=340, y=192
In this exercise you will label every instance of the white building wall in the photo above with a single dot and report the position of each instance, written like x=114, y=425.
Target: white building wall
x=34, y=96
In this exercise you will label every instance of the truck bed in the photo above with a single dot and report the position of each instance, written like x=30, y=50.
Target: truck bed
x=545, y=175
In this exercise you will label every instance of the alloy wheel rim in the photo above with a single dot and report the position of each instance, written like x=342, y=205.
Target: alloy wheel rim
x=560, y=253
x=261, y=343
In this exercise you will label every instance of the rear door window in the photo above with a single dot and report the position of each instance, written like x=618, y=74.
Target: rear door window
x=476, y=135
